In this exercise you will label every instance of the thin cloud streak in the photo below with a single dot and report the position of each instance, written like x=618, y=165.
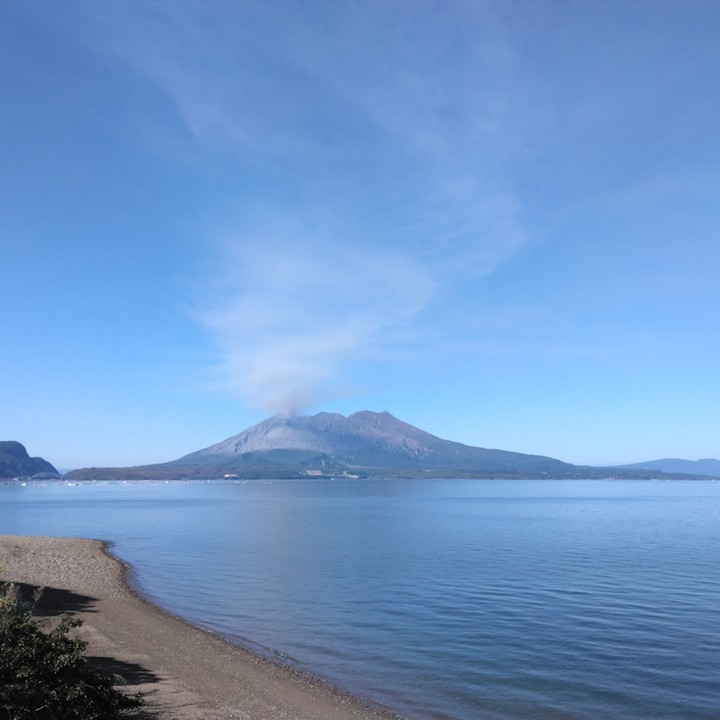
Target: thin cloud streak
x=291, y=317
x=429, y=101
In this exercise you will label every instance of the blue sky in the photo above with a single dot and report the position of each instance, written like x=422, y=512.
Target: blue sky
x=499, y=221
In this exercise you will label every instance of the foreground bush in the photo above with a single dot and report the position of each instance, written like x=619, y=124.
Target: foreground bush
x=45, y=676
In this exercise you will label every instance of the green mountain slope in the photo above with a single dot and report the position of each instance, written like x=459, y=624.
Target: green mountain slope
x=15, y=461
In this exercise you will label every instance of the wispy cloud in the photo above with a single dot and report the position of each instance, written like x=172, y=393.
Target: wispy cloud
x=389, y=125
x=290, y=311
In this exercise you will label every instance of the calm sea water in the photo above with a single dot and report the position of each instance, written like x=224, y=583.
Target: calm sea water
x=456, y=600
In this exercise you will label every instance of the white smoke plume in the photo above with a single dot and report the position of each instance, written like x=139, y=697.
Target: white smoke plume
x=292, y=317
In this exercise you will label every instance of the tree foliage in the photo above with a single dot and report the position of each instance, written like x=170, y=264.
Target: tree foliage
x=44, y=675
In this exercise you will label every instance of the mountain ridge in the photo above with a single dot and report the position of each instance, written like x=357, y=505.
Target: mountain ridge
x=15, y=461
x=704, y=467
x=364, y=444
x=366, y=440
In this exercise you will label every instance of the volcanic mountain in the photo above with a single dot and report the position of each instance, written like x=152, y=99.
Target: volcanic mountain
x=365, y=441
x=328, y=444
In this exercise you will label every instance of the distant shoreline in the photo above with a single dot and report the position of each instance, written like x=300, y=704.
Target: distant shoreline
x=186, y=673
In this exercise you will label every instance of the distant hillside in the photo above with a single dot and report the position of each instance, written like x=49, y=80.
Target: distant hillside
x=708, y=467
x=361, y=445
x=368, y=442
x=15, y=461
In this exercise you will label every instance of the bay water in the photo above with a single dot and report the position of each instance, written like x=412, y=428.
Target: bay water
x=441, y=599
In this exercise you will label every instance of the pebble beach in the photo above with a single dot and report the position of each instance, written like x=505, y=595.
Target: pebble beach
x=184, y=672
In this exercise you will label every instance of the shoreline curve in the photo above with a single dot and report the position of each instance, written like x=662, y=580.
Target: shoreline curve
x=185, y=672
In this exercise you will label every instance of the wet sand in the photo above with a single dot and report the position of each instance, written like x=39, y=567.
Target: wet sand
x=185, y=672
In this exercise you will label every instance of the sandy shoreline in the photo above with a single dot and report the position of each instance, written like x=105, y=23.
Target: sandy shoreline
x=185, y=672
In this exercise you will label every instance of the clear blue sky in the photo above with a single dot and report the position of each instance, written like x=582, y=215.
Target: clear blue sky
x=498, y=220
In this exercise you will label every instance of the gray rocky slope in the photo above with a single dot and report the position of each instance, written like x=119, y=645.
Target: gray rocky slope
x=365, y=441
x=362, y=444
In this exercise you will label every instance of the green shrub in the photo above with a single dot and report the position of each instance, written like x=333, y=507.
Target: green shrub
x=45, y=675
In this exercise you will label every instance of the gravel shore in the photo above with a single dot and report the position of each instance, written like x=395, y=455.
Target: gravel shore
x=185, y=672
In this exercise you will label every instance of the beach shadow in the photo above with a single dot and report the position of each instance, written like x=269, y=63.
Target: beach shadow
x=127, y=673
x=51, y=602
